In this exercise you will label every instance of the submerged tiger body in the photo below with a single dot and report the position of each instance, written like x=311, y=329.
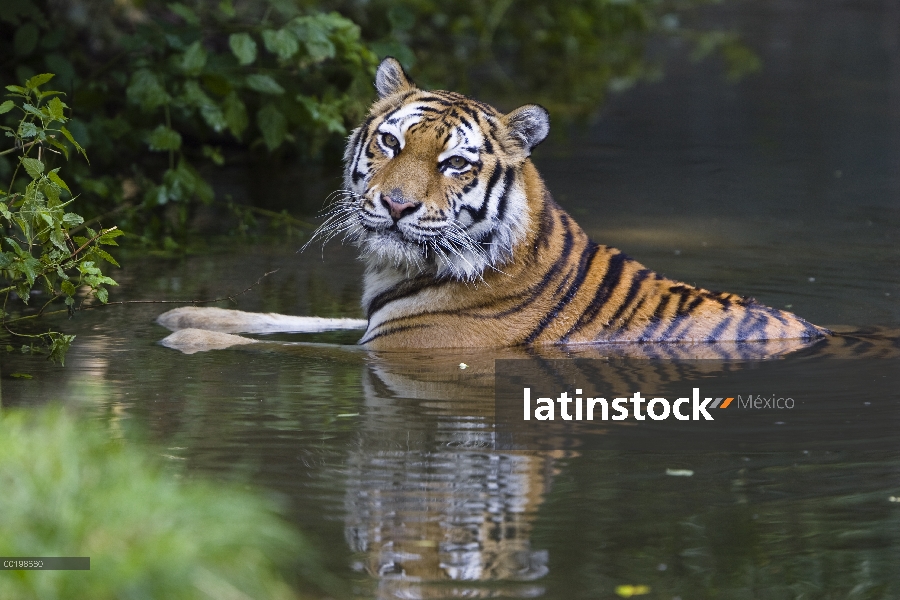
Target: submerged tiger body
x=465, y=247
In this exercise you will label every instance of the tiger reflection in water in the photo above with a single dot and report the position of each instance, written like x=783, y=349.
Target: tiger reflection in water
x=432, y=506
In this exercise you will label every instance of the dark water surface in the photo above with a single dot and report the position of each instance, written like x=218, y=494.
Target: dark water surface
x=785, y=186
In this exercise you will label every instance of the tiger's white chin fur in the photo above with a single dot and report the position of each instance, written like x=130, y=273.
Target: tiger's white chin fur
x=444, y=255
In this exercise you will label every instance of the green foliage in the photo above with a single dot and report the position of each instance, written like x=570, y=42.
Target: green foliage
x=164, y=94
x=38, y=235
x=68, y=490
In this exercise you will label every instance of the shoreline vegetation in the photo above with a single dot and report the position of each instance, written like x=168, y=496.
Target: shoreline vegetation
x=150, y=529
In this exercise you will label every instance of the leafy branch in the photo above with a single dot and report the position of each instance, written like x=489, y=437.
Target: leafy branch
x=37, y=241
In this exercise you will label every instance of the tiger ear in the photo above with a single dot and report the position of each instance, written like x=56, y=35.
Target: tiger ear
x=390, y=78
x=528, y=124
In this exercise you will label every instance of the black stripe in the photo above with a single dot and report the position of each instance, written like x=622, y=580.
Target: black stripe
x=390, y=332
x=627, y=321
x=537, y=289
x=438, y=100
x=718, y=329
x=601, y=297
x=401, y=290
x=463, y=121
x=681, y=311
x=504, y=197
x=585, y=262
x=472, y=112
x=363, y=135
x=636, y=281
x=750, y=324
x=545, y=228
x=478, y=215
x=656, y=321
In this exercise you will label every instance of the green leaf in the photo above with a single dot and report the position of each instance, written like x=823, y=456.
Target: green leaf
x=23, y=289
x=264, y=84
x=88, y=268
x=105, y=256
x=51, y=191
x=72, y=219
x=314, y=31
x=209, y=110
x=34, y=167
x=109, y=238
x=55, y=109
x=235, y=114
x=243, y=47
x=273, y=126
x=17, y=89
x=194, y=59
x=283, y=43
x=6, y=107
x=58, y=239
x=28, y=266
x=145, y=89
x=163, y=139
x=185, y=13
x=33, y=110
x=39, y=80
x=102, y=295
x=55, y=178
x=46, y=216
x=67, y=288
x=324, y=113
x=59, y=346
x=59, y=146
x=27, y=130
x=72, y=141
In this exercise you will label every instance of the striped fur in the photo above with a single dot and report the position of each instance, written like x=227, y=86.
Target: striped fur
x=466, y=248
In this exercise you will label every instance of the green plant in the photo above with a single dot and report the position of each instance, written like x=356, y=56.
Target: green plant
x=69, y=490
x=165, y=94
x=40, y=244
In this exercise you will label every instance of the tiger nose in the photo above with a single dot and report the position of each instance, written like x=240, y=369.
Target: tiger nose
x=398, y=206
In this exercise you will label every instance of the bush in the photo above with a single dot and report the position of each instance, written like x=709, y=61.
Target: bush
x=164, y=93
x=40, y=244
x=68, y=490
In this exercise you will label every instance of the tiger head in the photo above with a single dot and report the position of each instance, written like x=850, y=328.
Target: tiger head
x=433, y=180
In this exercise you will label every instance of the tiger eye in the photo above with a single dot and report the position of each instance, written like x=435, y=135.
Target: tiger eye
x=390, y=141
x=458, y=162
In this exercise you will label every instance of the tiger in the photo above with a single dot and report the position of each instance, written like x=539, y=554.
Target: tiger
x=464, y=245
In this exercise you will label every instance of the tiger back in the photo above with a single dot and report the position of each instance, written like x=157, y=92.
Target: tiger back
x=465, y=247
